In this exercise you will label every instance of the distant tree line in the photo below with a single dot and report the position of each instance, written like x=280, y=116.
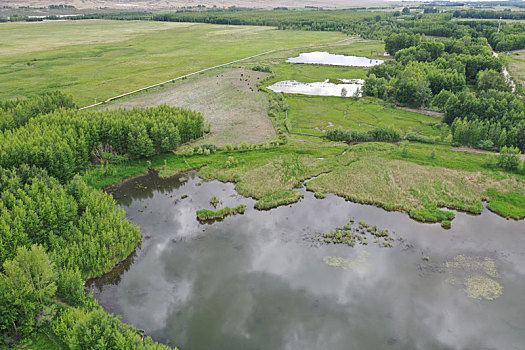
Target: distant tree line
x=489, y=14
x=367, y=24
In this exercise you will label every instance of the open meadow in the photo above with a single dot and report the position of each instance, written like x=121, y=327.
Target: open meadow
x=100, y=59
x=516, y=65
x=229, y=99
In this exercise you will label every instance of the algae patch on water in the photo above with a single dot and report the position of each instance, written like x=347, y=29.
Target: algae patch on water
x=359, y=263
x=482, y=287
x=478, y=276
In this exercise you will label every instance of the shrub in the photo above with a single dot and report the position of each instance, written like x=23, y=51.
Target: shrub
x=509, y=158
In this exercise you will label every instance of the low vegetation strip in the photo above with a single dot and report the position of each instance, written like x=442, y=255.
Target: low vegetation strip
x=278, y=199
x=207, y=215
x=510, y=205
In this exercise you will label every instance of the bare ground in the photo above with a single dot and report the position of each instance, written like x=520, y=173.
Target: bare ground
x=236, y=111
x=423, y=111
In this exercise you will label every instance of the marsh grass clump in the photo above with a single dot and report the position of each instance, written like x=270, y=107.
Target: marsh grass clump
x=207, y=215
x=277, y=199
x=351, y=234
x=319, y=195
x=214, y=201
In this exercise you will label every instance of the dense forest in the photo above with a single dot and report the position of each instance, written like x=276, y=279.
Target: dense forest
x=66, y=141
x=56, y=231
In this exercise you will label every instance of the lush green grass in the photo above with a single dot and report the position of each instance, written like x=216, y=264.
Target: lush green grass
x=309, y=112
x=510, y=205
x=100, y=59
x=277, y=199
x=319, y=195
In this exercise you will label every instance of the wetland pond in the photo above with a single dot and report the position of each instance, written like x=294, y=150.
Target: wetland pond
x=324, y=88
x=330, y=59
x=266, y=280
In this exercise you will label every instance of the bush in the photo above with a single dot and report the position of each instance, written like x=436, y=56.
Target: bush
x=509, y=158
x=378, y=134
x=486, y=144
x=265, y=69
x=412, y=136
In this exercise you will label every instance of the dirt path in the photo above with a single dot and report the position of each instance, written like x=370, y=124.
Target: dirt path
x=423, y=111
x=212, y=68
x=506, y=73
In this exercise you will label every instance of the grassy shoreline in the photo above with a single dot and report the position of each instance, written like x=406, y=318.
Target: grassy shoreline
x=371, y=173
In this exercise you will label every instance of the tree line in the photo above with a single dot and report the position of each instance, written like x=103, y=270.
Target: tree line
x=66, y=141
x=367, y=24
x=384, y=134
x=14, y=114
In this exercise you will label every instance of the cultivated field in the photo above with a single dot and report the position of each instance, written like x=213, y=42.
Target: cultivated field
x=100, y=59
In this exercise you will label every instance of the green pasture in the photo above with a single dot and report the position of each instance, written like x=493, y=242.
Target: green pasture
x=99, y=59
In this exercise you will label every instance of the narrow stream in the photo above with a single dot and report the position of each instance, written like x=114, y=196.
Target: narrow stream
x=266, y=280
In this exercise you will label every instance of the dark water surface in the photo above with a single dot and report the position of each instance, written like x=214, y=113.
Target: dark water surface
x=262, y=281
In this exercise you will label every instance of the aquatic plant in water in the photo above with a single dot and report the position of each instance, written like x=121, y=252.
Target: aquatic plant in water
x=360, y=263
x=477, y=275
x=206, y=214
x=351, y=234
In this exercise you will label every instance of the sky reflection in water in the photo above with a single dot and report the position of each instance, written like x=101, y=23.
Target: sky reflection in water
x=256, y=281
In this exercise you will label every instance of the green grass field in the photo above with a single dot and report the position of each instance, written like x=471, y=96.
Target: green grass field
x=516, y=65
x=100, y=59
x=311, y=114
x=308, y=73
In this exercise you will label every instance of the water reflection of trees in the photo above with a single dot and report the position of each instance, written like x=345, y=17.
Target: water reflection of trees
x=144, y=187
x=114, y=276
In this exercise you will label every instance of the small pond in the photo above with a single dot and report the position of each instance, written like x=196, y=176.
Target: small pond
x=324, y=88
x=330, y=59
x=263, y=280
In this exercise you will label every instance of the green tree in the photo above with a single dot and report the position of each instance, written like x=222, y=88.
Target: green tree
x=491, y=79
x=509, y=158
x=70, y=287
x=28, y=285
